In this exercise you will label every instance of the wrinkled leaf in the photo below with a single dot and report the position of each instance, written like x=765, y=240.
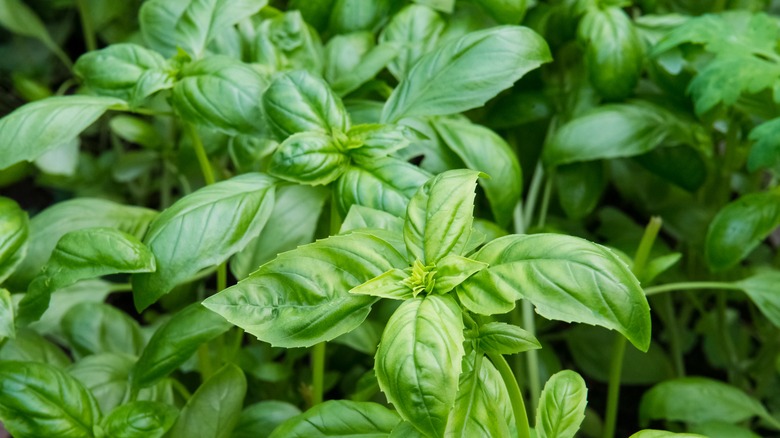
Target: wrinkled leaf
x=140, y=419
x=29, y=346
x=309, y=158
x=340, y=418
x=416, y=29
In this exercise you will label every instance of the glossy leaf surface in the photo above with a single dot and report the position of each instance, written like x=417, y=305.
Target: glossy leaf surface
x=562, y=406
x=140, y=419
x=14, y=231
x=340, y=418
x=92, y=328
x=309, y=158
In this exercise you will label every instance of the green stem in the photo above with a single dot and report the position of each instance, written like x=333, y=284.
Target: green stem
x=200, y=152
x=317, y=373
x=515, y=396
x=533, y=193
x=690, y=285
x=204, y=361
x=675, y=343
x=120, y=287
x=546, y=199
x=181, y=389
x=532, y=357
x=86, y=26
x=222, y=276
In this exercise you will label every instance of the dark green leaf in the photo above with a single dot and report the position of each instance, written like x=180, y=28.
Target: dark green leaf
x=725, y=80
x=214, y=409
x=40, y=400
x=14, y=230
x=765, y=152
x=40, y=126
x=260, y=419
x=340, y=418
x=309, y=158
x=7, y=329
x=580, y=186
x=719, y=429
x=416, y=28
x=682, y=165
x=561, y=406
x=479, y=65
x=503, y=338
x=175, y=341
x=762, y=290
x=302, y=297
x=93, y=328
x=419, y=360
x=740, y=227
x=29, y=346
x=203, y=229
x=19, y=18
x=140, y=419
x=506, y=11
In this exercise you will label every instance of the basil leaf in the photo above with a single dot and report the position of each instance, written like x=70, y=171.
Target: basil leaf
x=20, y=19
x=29, y=346
x=440, y=215
x=92, y=328
x=354, y=59
x=479, y=65
x=190, y=235
x=41, y=400
x=453, y=270
x=719, y=428
x=405, y=429
x=506, y=12
x=419, y=360
x=340, y=418
x=62, y=300
x=566, y=278
x=762, y=290
x=388, y=285
x=174, y=342
x=140, y=419
x=561, y=406
x=214, y=409
x=365, y=217
x=7, y=329
x=286, y=42
x=493, y=157
x=765, y=152
x=503, y=338
x=135, y=130
x=221, y=93
x=191, y=24
x=40, y=126
x=298, y=101
x=309, y=158
x=301, y=297
x=384, y=184
x=652, y=433
x=416, y=29
x=50, y=225
x=580, y=186
x=442, y=5
x=740, y=227
x=355, y=15
x=375, y=140
x=261, y=419
x=14, y=231
x=293, y=222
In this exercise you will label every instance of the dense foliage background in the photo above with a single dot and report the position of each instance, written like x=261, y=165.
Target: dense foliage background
x=155, y=153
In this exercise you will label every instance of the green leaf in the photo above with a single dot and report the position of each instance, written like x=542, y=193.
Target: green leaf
x=614, y=51
x=365, y=217
x=385, y=184
x=561, y=406
x=40, y=126
x=375, y=140
x=140, y=419
x=203, y=229
x=92, y=328
x=440, y=215
x=261, y=419
x=659, y=265
x=388, y=285
x=7, y=329
x=135, y=130
x=652, y=433
x=416, y=29
x=311, y=158
x=682, y=166
x=40, y=400
x=762, y=290
x=580, y=186
x=566, y=278
x=340, y=418
x=353, y=59
x=682, y=400
x=479, y=65
x=503, y=338
x=175, y=341
x=619, y=130
x=765, y=152
x=20, y=19
x=453, y=270
x=191, y=24
x=442, y=5
x=405, y=429
x=14, y=230
x=719, y=429
x=725, y=80
x=221, y=93
x=64, y=299
x=302, y=297
x=29, y=346
x=364, y=339
x=483, y=150
x=287, y=42
x=293, y=222
x=299, y=101
x=740, y=227
x=419, y=360
x=506, y=11
x=117, y=70
x=50, y=225
x=214, y=409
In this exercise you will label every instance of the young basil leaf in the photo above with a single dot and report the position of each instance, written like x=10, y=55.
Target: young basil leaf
x=140, y=419
x=614, y=51
x=503, y=338
x=679, y=400
x=117, y=69
x=41, y=400
x=135, y=130
x=375, y=140
x=29, y=346
x=388, y=285
x=620, y=130
x=174, y=342
x=190, y=235
x=191, y=24
x=221, y=93
x=40, y=126
x=561, y=406
x=765, y=152
x=20, y=19
x=453, y=270
x=299, y=101
x=384, y=184
x=653, y=433
x=353, y=59
x=14, y=230
x=479, y=65
x=286, y=42
x=506, y=12
x=360, y=217
x=340, y=418
x=658, y=266
x=7, y=329
x=740, y=227
x=493, y=157
x=440, y=215
x=348, y=16
x=762, y=290
x=92, y=328
x=419, y=360
x=309, y=158
x=481, y=397
x=292, y=223
x=580, y=186
x=261, y=419
x=214, y=409
x=50, y=225
x=301, y=297
x=566, y=278
x=416, y=29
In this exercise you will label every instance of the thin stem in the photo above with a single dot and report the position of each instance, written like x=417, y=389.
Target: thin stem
x=200, y=152
x=690, y=285
x=317, y=372
x=515, y=396
x=517, y=216
x=532, y=357
x=546, y=199
x=86, y=26
x=675, y=343
x=646, y=245
x=533, y=193
x=120, y=287
x=181, y=389
x=204, y=362
x=613, y=391
x=222, y=277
